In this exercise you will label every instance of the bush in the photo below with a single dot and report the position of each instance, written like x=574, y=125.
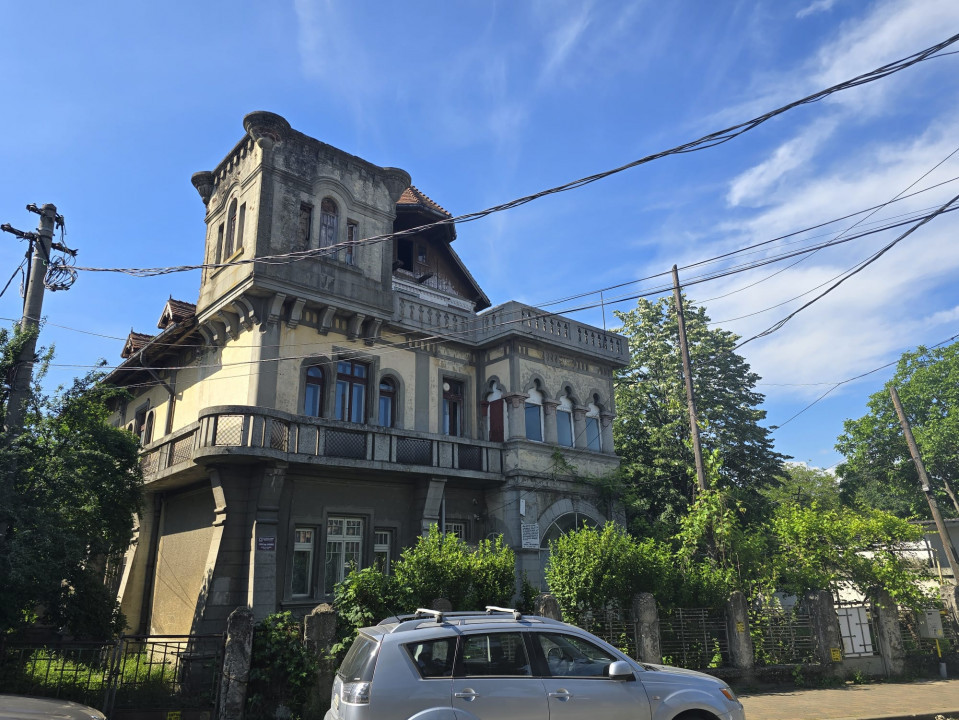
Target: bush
x=282, y=668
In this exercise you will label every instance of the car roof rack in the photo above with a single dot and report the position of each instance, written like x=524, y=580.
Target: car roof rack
x=410, y=621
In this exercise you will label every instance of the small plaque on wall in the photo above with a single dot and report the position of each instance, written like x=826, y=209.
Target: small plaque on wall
x=266, y=543
x=530, y=536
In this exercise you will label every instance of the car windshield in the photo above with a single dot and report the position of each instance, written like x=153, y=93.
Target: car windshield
x=359, y=661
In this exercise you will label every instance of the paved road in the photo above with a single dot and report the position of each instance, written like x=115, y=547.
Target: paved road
x=923, y=699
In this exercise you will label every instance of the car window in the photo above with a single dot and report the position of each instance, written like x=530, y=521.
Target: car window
x=433, y=658
x=494, y=654
x=571, y=656
x=359, y=661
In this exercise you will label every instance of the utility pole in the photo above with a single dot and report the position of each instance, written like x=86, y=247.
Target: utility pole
x=688, y=375
x=926, y=488
x=41, y=243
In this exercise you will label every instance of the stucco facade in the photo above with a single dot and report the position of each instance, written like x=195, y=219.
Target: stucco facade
x=323, y=406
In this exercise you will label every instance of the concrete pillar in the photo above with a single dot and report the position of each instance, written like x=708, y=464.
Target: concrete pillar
x=890, y=636
x=262, y=587
x=545, y=605
x=236, y=664
x=319, y=634
x=825, y=629
x=606, y=431
x=737, y=630
x=549, y=422
x=579, y=426
x=516, y=415
x=132, y=593
x=645, y=616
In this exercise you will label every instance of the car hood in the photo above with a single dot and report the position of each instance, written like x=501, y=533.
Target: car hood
x=668, y=674
x=18, y=707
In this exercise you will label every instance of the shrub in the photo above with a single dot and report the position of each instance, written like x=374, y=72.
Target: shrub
x=282, y=668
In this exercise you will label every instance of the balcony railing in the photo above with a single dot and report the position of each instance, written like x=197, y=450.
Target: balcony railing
x=252, y=431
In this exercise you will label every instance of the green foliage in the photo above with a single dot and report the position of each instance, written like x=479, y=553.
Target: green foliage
x=651, y=430
x=803, y=485
x=282, y=667
x=878, y=471
x=591, y=569
x=818, y=548
x=70, y=485
x=438, y=566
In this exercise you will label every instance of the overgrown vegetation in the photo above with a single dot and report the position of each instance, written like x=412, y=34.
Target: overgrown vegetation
x=282, y=668
x=438, y=566
x=69, y=489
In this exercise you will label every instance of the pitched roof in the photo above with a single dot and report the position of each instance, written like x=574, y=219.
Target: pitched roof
x=413, y=197
x=175, y=311
x=135, y=342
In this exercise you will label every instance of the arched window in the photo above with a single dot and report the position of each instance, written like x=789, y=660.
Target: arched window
x=564, y=421
x=534, y=414
x=594, y=440
x=564, y=524
x=147, y=436
x=327, y=223
x=313, y=395
x=387, y=402
x=229, y=243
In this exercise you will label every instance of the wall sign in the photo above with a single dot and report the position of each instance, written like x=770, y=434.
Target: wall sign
x=530, y=536
x=266, y=543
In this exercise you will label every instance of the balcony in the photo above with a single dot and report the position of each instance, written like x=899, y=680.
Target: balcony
x=244, y=433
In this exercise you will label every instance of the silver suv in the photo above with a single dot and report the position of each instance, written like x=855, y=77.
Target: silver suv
x=500, y=664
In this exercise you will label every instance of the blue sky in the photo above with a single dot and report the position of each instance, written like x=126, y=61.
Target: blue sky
x=110, y=107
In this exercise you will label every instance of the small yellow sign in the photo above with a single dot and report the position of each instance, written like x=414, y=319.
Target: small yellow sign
x=173, y=715
x=836, y=654
x=740, y=627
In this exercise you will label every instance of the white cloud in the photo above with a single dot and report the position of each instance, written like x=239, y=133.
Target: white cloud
x=816, y=7
x=561, y=42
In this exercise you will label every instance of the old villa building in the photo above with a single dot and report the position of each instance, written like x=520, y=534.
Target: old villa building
x=320, y=408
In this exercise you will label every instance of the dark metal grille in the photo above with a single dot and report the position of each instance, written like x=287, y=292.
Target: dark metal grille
x=470, y=457
x=694, y=638
x=149, y=462
x=916, y=645
x=414, y=451
x=611, y=625
x=346, y=444
x=229, y=430
x=785, y=636
x=279, y=435
x=134, y=672
x=181, y=450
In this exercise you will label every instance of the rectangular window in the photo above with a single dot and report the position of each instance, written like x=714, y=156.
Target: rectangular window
x=306, y=227
x=593, y=441
x=452, y=408
x=344, y=546
x=497, y=420
x=564, y=428
x=303, y=543
x=495, y=654
x=352, y=235
x=219, y=244
x=534, y=422
x=456, y=528
x=383, y=551
x=351, y=391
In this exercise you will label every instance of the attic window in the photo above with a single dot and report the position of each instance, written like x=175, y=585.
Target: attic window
x=421, y=254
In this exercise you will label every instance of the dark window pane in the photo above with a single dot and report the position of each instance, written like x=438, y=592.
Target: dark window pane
x=534, y=425
x=592, y=434
x=564, y=428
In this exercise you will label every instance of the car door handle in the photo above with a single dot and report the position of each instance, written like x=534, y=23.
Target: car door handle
x=468, y=695
x=563, y=695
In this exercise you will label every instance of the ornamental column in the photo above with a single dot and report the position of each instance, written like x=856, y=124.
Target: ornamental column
x=516, y=415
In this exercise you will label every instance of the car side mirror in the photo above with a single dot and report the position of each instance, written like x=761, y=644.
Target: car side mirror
x=620, y=670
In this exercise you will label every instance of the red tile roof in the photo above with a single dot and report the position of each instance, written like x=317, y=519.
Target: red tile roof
x=135, y=342
x=175, y=311
x=412, y=197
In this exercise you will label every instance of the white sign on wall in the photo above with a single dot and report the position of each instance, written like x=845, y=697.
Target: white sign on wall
x=530, y=536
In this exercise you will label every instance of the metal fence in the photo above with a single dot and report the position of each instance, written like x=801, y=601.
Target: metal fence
x=782, y=636
x=144, y=672
x=613, y=626
x=694, y=638
x=913, y=642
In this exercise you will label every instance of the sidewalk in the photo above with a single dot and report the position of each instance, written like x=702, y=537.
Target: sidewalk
x=922, y=699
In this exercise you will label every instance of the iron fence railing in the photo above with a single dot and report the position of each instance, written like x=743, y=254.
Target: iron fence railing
x=782, y=636
x=694, y=638
x=170, y=672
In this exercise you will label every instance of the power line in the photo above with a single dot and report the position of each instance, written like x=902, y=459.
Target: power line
x=707, y=141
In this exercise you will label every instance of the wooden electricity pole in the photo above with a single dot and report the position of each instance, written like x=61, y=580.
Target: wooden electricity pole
x=688, y=376
x=924, y=482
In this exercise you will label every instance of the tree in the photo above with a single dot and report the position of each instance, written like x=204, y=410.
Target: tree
x=804, y=485
x=878, y=471
x=71, y=486
x=652, y=424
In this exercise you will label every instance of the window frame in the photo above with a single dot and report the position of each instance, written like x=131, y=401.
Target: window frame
x=565, y=407
x=342, y=566
x=329, y=222
x=229, y=244
x=592, y=421
x=321, y=393
x=351, y=382
x=451, y=401
x=389, y=396
x=311, y=561
x=352, y=236
x=384, y=548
